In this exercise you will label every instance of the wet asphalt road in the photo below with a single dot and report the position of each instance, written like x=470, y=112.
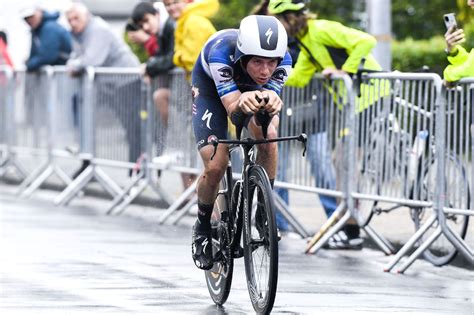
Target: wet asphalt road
x=77, y=260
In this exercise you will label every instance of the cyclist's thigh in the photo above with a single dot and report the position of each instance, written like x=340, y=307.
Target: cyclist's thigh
x=209, y=117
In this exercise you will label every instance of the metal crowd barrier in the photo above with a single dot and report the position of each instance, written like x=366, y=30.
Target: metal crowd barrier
x=374, y=153
x=111, y=127
x=320, y=110
x=53, y=113
x=401, y=161
x=451, y=177
x=8, y=130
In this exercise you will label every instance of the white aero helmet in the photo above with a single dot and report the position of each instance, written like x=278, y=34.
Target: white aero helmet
x=262, y=36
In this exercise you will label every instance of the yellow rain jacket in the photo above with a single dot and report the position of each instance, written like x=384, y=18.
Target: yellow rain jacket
x=193, y=28
x=461, y=65
x=334, y=45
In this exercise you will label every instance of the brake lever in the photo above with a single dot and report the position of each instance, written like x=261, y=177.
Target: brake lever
x=212, y=140
x=303, y=138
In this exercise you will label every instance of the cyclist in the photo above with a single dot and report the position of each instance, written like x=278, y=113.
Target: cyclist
x=235, y=67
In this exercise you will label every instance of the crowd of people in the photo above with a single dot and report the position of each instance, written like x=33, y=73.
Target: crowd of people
x=160, y=36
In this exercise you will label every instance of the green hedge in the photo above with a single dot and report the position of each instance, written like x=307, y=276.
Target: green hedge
x=411, y=55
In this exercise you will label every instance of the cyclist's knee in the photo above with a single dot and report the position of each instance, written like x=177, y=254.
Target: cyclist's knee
x=214, y=172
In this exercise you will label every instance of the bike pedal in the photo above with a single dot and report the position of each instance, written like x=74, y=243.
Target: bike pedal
x=238, y=252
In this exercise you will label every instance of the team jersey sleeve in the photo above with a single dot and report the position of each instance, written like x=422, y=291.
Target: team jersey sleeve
x=222, y=72
x=280, y=75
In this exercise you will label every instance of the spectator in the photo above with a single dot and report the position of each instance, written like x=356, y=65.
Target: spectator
x=333, y=49
x=4, y=56
x=142, y=45
x=153, y=20
x=94, y=42
x=96, y=45
x=193, y=28
x=461, y=63
x=50, y=43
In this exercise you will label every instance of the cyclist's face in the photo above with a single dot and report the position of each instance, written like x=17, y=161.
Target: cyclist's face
x=150, y=23
x=261, y=69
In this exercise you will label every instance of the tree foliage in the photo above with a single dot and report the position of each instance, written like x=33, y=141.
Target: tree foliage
x=419, y=19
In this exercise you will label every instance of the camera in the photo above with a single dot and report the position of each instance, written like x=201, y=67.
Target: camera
x=131, y=26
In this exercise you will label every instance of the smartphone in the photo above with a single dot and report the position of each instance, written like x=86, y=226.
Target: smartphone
x=450, y=20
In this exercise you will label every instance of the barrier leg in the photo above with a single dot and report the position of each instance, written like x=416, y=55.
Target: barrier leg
x=129, y=198
x=32, y=177
x=174, y=206
x=284, y=210
x=75, y=186
x=420, y=250
x=37, y=182
x=411, y=242
x=107, y=183
x=119, y=198
x=381, y=242
x=330, y=222
x=186, y=209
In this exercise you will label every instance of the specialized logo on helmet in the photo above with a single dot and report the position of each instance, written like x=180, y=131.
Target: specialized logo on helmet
x=269, y=34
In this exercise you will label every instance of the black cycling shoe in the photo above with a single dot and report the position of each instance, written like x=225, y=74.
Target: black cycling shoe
x=202, y=247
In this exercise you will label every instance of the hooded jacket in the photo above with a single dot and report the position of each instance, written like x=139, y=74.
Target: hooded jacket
x=330, y=44
x=461, y=65
x=50, y=43
x=193, y=29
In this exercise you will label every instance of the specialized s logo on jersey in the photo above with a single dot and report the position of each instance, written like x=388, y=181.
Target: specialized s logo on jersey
x=225, y=74
x=207, y=117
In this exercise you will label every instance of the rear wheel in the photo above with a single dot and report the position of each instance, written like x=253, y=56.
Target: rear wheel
x=260, y=242
x=219, y=277
x=442, y=252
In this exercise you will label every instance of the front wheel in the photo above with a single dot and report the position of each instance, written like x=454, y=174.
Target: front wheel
x=260, y=242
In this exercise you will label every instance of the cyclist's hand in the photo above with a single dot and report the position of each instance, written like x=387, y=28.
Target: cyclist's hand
x=329, y=72
x=274, y=104
x=247, y=102
x=454, y=37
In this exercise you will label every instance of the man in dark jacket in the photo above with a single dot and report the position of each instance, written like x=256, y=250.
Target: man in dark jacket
x=51, y=44
x=154, y=20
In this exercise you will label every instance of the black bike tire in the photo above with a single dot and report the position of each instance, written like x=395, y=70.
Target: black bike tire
x=432, y=255
x=258, y=178
x=217, y=285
